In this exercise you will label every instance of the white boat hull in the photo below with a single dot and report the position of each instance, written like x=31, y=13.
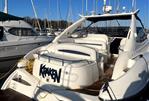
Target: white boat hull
x=130, y=83
x=10, y=54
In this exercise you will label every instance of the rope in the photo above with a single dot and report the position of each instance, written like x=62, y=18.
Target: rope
x=105, y=88
x=112, y=92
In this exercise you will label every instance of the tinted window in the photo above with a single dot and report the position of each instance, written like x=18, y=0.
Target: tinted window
x=22, y=32
x=141, y=36
x=74, y=52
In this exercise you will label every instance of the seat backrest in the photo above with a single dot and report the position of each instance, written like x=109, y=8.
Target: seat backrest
x=96, y=41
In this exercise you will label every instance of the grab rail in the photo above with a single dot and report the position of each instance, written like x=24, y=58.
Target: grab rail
x=58, y=58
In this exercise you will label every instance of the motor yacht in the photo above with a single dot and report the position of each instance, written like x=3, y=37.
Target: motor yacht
x=17, y=38
x=78, y=58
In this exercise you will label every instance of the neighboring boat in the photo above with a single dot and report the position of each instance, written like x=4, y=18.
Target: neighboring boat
x=131, y=73
x=48, y=32
x=75, y=60
x=16, y=39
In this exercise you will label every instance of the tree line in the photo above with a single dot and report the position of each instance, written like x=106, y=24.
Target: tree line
x=60, y=24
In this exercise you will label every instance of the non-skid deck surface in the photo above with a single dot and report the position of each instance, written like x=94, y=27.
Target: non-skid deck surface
x=94, y=88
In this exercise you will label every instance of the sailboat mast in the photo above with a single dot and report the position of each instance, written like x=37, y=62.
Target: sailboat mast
x=96, y=8
x=35, y=14
x=86, y=7
x=6, y=7
x=69, y=15
x=58, y=14
x=82, y=7
x=118, y=6
x=94, y=5
x=49, y=23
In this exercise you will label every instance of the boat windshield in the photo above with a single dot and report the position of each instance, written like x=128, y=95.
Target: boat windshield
x=110, y=27
x=141, y=34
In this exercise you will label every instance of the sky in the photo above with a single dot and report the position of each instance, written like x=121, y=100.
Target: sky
x=70, y=9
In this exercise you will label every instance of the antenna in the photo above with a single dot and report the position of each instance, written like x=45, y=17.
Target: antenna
x=6, y=7
x=35, y=14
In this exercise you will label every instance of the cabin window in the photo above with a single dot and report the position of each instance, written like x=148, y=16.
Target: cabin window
x=74, y=52
x=22, y=32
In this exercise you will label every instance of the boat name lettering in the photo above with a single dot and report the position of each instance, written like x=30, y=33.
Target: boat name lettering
x=55, y=75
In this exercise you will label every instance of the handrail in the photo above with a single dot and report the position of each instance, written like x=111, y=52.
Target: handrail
x=63, y=59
